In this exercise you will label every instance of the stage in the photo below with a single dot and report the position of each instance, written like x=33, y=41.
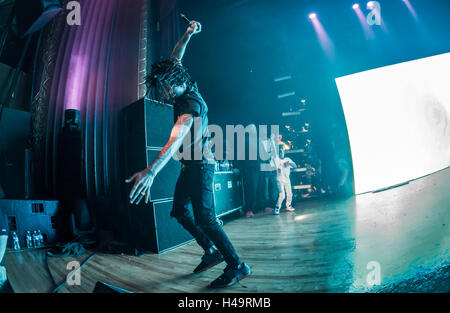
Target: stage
x=324, y=246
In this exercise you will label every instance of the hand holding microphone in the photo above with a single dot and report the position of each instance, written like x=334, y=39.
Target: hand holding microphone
x=194, y=27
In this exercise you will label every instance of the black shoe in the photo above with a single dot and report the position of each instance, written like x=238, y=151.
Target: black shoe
x=231, y=276
x=208, y=261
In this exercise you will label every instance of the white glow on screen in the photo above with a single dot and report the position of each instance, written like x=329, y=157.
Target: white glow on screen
x=398, y=121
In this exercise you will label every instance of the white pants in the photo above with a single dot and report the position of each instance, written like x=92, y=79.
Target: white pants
x=3, y=277
x=284, y=191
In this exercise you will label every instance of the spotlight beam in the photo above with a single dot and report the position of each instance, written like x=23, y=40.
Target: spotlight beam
x=324, y=39
x=411, y=9
x=362, y=20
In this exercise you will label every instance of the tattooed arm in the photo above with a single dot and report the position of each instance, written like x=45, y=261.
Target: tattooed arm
x=144, y=179
x=180, y=47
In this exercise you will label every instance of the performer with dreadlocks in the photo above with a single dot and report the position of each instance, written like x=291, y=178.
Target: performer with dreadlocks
x=169, y=82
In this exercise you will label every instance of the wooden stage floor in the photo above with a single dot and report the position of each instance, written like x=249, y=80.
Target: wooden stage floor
x=324, y=246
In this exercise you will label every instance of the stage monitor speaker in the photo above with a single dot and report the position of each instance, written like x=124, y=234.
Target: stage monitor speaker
x=15, y=157
x=33, y=15
x=145, y=129
x=153, y=229
x=31, y=215
x=228, y=192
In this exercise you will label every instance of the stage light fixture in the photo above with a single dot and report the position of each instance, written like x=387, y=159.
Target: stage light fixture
x=72, y=119
x=363, y=21
x=312, y=16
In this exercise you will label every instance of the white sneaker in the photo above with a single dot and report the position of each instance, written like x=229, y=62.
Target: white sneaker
x=290, y=209
x=276, y=211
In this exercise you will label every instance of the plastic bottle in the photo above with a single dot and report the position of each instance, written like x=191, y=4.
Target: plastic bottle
x=29, y=240
x=40, y=239
x=35, y=239
x=15, y=241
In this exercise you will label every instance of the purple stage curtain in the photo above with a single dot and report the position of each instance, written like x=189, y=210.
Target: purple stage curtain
x=96, y=68
x=95, y=71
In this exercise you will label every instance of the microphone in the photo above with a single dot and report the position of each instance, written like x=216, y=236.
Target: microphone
x=184, y=18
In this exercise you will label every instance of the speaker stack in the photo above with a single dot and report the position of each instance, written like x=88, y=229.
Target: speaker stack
x=144, y=129
x=15, y=157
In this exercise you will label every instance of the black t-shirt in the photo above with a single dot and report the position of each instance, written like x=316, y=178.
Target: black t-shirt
x=196, y=146
x=3, y=230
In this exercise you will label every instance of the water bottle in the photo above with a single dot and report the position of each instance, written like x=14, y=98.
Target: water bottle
x=29, y=240
x=35, y=239
x=15, y=241
x=40, y=239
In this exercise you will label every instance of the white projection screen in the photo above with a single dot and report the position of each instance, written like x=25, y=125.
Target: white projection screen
x=398, y=121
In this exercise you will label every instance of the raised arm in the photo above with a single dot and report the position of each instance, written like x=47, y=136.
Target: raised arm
x=180, y=47
x=291, y=163
x=144, y=179
x=273, y=146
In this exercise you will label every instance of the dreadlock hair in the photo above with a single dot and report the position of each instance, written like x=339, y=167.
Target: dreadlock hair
x=171, y=72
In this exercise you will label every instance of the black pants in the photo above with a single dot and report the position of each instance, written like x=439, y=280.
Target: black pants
x=195, y=185
x=269, y=189
x=250, y=176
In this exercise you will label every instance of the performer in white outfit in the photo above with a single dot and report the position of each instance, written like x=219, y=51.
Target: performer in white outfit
x=284, y=166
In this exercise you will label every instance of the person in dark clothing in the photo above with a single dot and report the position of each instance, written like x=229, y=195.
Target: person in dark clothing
x=251, y=177
x=169, y=82
x=268, y=173
x=250, y=170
